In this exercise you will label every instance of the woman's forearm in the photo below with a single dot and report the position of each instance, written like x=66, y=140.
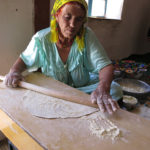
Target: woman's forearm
x=106, y=77
x=14, y=76
x=19, y=66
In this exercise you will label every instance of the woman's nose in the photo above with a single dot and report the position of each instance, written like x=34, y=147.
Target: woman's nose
x=72, y=23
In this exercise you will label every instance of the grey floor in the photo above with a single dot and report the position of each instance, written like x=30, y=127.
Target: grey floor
x=4, y=144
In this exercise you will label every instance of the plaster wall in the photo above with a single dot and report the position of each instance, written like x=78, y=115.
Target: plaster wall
x=128, y=36
x=16, y=29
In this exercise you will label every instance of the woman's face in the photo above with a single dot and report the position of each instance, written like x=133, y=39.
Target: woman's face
x=70, y=20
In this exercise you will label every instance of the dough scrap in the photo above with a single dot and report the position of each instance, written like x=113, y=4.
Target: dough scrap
x=49, y=107
x=102, y=127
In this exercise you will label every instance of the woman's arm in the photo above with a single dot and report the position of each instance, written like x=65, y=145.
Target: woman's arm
x=101, y=95
x=14, y=76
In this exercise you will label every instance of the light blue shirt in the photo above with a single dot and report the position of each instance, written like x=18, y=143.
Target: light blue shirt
x=79, y=67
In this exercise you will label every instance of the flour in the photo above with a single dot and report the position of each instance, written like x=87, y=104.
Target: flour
x=129, y=87
x=102, y=127
x=129, y=99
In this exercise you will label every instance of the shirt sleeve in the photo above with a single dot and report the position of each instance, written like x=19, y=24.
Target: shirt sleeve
x=31, y=55
x=96, y=57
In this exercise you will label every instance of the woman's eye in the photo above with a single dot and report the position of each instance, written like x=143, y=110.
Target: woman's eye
x=80, y=19
x=67, y=17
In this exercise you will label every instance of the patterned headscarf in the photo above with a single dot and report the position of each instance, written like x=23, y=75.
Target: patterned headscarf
x=54, y=31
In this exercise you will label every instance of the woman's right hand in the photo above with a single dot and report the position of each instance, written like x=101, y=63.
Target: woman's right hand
x=13, y=78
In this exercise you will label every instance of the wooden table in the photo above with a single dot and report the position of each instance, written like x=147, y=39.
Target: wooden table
x=28, y=132
x=16, y=134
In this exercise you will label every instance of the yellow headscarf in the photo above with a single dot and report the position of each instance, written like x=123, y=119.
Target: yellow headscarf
x=53, y=24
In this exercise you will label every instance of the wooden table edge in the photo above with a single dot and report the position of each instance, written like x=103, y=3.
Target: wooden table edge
x=16, y=134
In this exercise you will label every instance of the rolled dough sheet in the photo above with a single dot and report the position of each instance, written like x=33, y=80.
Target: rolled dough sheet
x=49, y=107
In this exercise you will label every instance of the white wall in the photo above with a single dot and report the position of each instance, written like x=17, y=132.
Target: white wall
x=16, y=30
x=128, y=36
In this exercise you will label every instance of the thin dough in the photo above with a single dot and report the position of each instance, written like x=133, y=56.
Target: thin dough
x=49, y=107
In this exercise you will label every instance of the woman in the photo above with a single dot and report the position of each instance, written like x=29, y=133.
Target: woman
x=70, y=52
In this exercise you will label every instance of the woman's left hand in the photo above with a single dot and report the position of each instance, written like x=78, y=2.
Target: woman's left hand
x=102, y=97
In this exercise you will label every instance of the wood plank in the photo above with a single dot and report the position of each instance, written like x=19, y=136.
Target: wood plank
x=17, y=135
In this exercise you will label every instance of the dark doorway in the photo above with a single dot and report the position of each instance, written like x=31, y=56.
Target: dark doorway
x=41, y=14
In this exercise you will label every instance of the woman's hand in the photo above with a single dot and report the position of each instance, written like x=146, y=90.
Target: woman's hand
x=102, y=97
x=13, y=78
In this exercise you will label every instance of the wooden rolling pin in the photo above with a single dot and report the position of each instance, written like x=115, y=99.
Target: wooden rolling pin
x=72, y=94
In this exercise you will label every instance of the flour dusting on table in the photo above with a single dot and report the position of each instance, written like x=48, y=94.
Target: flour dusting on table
x=102, y=127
